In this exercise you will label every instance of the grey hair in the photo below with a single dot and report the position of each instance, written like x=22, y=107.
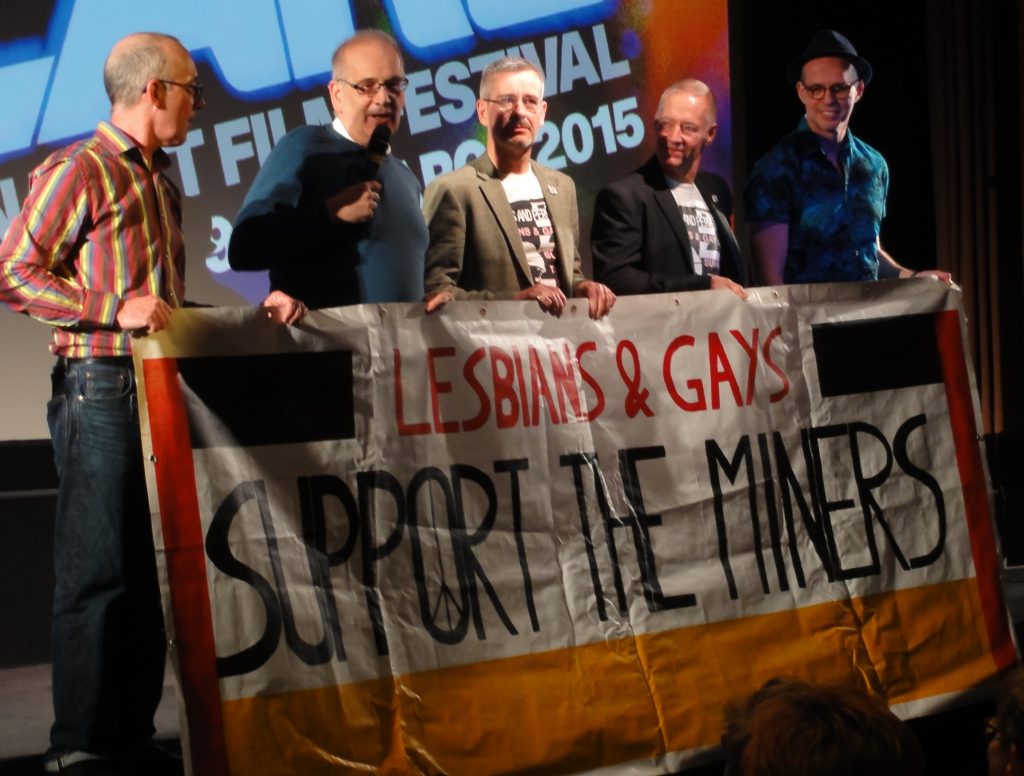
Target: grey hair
x=133, y=62
x=362, y=36
x=697, y=89
x=508, y=65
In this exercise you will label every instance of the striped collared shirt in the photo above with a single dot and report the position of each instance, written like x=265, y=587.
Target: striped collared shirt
x=97, y=227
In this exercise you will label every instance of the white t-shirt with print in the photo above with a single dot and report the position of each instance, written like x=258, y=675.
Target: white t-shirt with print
x=700, y=227
x=535, y=229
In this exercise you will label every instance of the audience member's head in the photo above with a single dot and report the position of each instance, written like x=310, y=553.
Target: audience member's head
x=1006, y=730
x=790, y=728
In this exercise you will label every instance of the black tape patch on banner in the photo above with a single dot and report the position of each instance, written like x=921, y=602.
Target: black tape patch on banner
x=879, y=354
x=277, y=399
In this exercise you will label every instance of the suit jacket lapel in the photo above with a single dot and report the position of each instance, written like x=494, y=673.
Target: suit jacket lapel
x=560, y=212
x=670, y=208
x=731, y=256
x=497, y=201
x=663, y=196
x=712, y=204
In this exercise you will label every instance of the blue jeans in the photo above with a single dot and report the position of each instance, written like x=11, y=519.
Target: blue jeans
x=108, y=633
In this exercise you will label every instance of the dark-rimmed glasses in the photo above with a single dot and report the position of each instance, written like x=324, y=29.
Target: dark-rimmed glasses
x=370, y=87
x=838, y=91
x=507, y=102
x=195, y=89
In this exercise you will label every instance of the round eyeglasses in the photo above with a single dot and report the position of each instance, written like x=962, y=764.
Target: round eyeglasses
x=838, y=91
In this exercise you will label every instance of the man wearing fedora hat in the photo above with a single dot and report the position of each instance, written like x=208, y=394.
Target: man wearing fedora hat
x=815, y=201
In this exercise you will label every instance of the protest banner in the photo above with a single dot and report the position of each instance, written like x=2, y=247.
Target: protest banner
x=492, y=541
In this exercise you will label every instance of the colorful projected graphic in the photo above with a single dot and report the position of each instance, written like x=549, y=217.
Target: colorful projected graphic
x=606, y=63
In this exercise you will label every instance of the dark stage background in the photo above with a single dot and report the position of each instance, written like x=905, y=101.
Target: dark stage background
x=908, y=103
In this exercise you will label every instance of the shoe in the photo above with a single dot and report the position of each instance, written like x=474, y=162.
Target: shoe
x=152, y=760
x=81, y=764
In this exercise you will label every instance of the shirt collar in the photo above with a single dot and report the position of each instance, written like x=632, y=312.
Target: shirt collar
x=674, y=183
x=117, y=142
x=342, y=130
x=808, y=141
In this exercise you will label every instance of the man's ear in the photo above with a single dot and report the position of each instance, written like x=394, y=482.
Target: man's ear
x=156, y=93
x=334, y=88
x=801, y=93
x=712, y=131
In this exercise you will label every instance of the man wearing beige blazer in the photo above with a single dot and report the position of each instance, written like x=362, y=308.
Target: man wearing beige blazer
x=503, y=226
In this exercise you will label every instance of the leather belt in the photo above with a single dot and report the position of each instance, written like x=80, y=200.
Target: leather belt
x=121, y=361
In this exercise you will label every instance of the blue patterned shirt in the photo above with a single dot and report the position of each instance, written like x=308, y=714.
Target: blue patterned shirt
x=834, y=217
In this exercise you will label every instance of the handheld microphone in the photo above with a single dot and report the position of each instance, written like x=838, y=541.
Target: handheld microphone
x=377, y=149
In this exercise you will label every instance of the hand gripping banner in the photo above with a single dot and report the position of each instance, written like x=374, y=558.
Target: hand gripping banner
x=492, y=541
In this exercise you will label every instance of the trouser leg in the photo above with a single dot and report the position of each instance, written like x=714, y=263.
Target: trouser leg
x=108, y=640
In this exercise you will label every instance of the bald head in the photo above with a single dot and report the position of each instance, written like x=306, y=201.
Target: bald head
x=695, y=88
x=339, y=62
x=134, y=61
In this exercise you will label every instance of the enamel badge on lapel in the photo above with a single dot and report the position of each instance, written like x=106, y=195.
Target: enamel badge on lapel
x=552, y=189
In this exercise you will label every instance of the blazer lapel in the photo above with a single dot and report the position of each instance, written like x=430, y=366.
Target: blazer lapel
x=670, y=208
x=497, y=201
x=560, y=212
x=732, y=264
x=655, y=178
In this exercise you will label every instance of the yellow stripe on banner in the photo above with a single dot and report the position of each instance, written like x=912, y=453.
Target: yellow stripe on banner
x=581, y=708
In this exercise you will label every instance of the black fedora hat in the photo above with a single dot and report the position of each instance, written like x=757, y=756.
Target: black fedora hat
x=829, y=43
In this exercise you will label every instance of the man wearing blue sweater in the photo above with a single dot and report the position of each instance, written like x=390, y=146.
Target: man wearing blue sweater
x=330, y=231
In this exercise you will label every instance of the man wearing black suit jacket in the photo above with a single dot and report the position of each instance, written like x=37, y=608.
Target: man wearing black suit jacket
x=665, y=226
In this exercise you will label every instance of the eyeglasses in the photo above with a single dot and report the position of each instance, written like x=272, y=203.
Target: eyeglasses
x=369, y=87
x=195, y=89
x=507, y=102
x=669, y=127
x=839, y=91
